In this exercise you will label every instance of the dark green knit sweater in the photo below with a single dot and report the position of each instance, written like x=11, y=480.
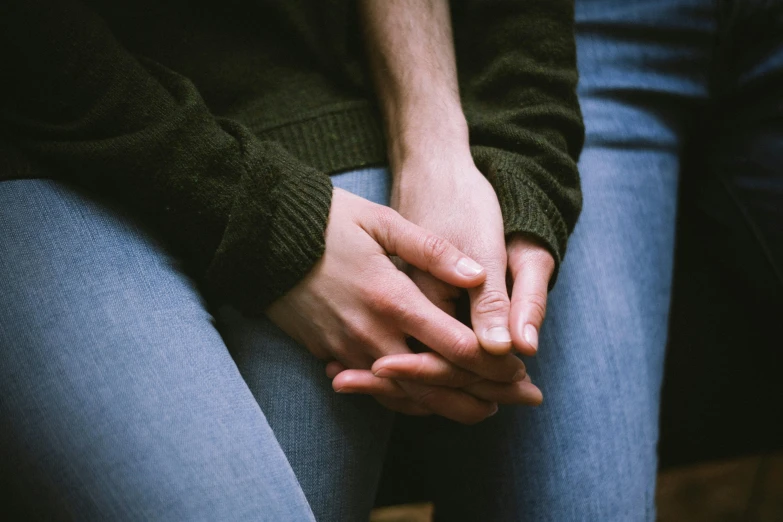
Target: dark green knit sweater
x=219, y=122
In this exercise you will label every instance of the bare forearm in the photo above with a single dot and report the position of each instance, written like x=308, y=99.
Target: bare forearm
x=411, y=55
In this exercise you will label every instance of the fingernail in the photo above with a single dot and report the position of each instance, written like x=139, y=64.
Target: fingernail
x=531, y=336
x=520, y=376
x=383, y=372
x=468, y=267
x=494, y=411
x=499, y=334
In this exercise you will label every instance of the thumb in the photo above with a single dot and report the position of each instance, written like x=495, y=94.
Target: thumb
x=531, y=267
x=423, y=249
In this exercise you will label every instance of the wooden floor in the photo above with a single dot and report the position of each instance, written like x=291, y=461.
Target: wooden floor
x=741, y=490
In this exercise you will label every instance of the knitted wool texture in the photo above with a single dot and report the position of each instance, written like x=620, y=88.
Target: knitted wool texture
x=219, y=124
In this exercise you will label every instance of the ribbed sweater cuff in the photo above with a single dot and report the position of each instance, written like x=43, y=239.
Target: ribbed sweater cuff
x=526, y=208
x=297, y=233
x=275, y=233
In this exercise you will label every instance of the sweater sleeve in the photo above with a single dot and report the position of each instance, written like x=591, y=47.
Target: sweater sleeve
x=517, y=69
x=248, y=217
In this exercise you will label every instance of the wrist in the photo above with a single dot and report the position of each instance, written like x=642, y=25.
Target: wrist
x=426, y=137
x=422, y=177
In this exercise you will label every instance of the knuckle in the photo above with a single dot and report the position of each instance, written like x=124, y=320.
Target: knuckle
x=398, y=309
x=421, y=369
x=405, y=313
x=384, y=216
x=542, y=260
x=358, y=332
x=351, y=328
x=361, y=335
x=536, y=302
x=464, y=349
x=371, y=295
x=433, y=366
x=532, y=256
x=440, y=369
x=341, y=353
x=382, y=300
x=332, y=342
x=492, y=302
x=426, y=397
x=455, y=377
x=435, y=248
x=385, y=221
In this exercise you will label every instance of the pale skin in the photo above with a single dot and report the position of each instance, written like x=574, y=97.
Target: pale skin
x=357, y=308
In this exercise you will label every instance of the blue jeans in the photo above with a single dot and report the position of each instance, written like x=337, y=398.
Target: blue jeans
x=123, y=395
x=119, y=396
x=650, y=72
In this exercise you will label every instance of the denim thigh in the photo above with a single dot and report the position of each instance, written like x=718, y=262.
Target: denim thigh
x=335, y=443
x=589, y=452
x=118, y=398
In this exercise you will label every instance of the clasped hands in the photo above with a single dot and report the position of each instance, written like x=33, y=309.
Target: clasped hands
x=356, y=307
